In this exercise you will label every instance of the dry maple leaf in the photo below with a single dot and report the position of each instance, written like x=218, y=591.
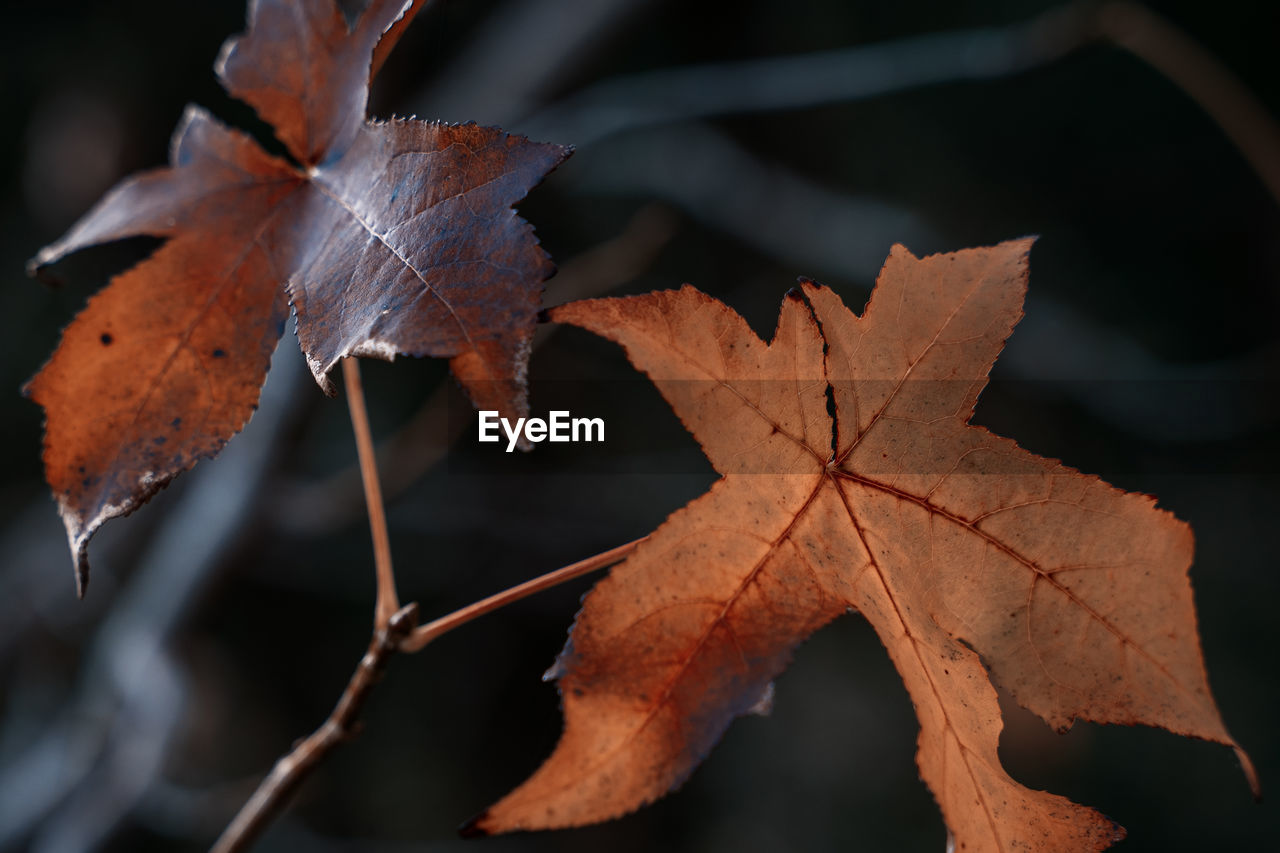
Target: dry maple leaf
x=958, y=546
x=386, y=238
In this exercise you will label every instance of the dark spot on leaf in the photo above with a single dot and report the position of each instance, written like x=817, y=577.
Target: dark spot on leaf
x=106, y=339
x=175, y=423
x=219, y=353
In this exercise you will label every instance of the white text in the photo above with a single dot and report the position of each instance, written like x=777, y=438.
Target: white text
x=558, y=427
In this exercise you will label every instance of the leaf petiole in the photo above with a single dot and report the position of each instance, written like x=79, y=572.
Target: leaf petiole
x=424, y=634
x=388, y=602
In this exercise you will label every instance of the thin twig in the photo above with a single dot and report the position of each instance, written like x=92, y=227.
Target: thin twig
x=392, y=623
x=290, y=770
x=388, y=602
x=400, y=633
x=68, y=782
x=424, y=634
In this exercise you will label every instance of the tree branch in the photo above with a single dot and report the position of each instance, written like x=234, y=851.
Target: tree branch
x=293, y=768
x=400, y=633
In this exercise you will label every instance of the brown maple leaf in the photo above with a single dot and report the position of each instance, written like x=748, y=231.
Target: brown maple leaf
x=961, y=549
x=386, y=238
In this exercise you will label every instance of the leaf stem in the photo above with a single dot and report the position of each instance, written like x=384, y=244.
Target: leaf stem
x=424, y=634
x=388, y=602
x=289, y=771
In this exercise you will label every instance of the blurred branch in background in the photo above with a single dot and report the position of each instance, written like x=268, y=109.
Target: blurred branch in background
x=848, y=75
x=522, y=53
x=1204, y=79
x=70, y=788
x=780, y=83
x=765, y=205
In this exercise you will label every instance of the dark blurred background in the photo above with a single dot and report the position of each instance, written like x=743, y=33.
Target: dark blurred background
x=226, y=616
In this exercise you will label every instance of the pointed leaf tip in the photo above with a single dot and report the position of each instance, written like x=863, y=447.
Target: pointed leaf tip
x=474, y=828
